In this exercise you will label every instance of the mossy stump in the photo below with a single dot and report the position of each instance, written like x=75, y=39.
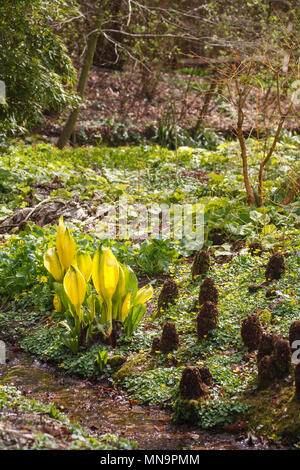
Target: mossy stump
x=282, y=357
x=201, y=263
x=186, y=411
x=294, y=332
x=266, y=346
x=191, y=386
x=251, y=332
x=275, y=267
x=297, y=382
x=208, y=292
x=116, y=361
x=205, y=375
x=207, y=319
x=266, y=372
x=136, y=364
x=169, y=338
x=168, y=294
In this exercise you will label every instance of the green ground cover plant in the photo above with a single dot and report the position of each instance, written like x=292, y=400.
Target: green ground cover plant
x=95, y=175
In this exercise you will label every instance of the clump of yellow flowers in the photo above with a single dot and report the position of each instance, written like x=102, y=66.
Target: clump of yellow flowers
x=91, y=292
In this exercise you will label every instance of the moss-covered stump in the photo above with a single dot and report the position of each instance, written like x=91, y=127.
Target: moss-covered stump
x=116, y=361
x=207, y=319
x=282, y=356
x=192, y=392
x=297, y=382
x=275, y=267
x=251, y=332
x=168, y=294
x=186, y=411
x=205, y=375
x=274, y=360
x=294, y=332
x=274, y=412
x=135, y=365
x=169, y=338
x=191, y=386
x=208, y=292
x=267, y=372
x=201, y=263
x=266, y=346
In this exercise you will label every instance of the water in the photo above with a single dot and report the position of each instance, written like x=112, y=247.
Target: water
x=104, y=409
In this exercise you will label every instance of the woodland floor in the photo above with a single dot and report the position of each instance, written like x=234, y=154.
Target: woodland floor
x=117, y=109
x=44, y=183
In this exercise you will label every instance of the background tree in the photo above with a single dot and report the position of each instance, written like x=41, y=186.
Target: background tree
x=35, y=64
x=88, y=62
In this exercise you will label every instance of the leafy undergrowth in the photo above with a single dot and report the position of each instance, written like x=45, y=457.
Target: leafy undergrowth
x=29, y=425
x=156, y=381
x=152, y=174
x=234, y=370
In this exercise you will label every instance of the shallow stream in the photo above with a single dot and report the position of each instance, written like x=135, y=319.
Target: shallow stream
x=107, y=410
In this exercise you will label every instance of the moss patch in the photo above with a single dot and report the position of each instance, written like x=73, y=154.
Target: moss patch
x=135, y=365
x=275, y=413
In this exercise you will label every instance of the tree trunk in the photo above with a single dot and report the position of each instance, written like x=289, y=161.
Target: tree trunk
x=88, y=62
x=244, y=155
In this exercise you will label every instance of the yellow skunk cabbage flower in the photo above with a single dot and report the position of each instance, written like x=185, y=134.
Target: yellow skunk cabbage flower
x=143, y=295
x=65, y=245
x=57, y=303
x=84, y=263
x=120, y=289
x=52, y=264
x=119, y=295
x=126, y=306
x=105, y=273
x=75, y=287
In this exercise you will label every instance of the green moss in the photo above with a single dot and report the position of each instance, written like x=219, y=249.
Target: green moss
x=116, y=361
x=275, y=413
x=186, y=411
x=135, y=365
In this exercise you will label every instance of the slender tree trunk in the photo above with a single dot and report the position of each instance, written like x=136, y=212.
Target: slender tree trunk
x=88, y=62
x=244, y=155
